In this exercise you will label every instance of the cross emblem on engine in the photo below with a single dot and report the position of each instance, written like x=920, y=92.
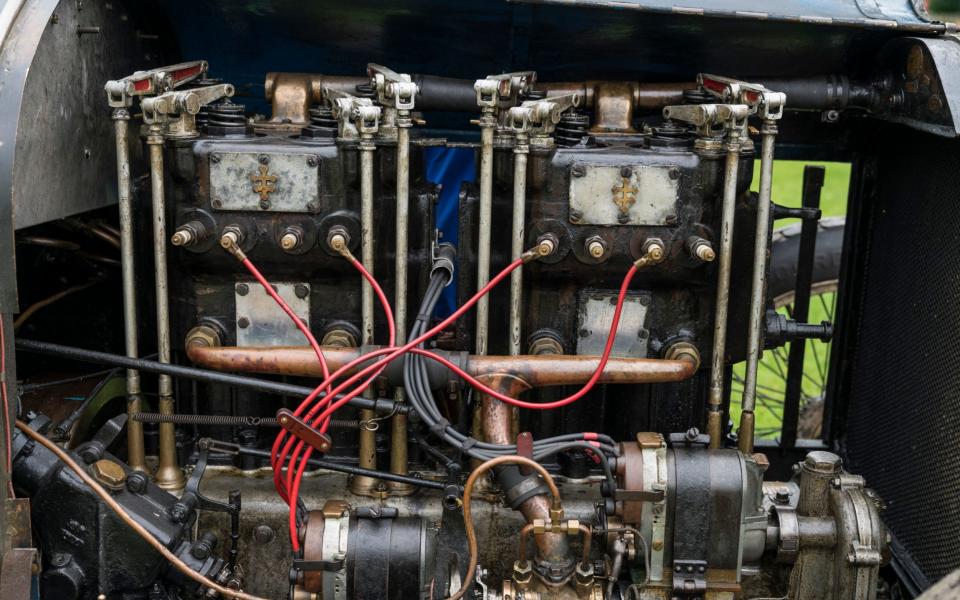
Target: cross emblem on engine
x=624, y=195
x=263, y=183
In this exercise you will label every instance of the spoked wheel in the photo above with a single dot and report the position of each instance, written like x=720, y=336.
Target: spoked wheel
x=772, y=373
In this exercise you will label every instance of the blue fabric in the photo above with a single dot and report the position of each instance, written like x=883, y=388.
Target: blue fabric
x=449, y=167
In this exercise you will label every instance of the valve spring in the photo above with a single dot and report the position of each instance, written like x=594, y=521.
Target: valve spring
x=227, y=420
x=365, y=90
x=572, y=128
x=697, y=96
x=204, y=115
x=322, y=123
x=225, y=117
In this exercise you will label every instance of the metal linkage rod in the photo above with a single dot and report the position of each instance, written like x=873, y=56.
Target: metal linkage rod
x=150, y=366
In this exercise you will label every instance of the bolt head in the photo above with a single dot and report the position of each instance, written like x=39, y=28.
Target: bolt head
x=109, y=473
x=263, y=534
x=242, y=289
x=263, y=159
x=214, y=158
x=217, y=203
x=578, y=171
x=136, y=482
x=626, y=172
x=243, y=322
x=312, y=161
x=301, y=291
x=264, y=205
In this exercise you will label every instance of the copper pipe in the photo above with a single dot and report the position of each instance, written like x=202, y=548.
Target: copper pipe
x=468, y=508
x=536, y=371
x=497, y=419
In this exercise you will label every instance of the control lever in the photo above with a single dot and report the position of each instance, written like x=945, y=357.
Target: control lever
x=804, y=213
x=192, y=499
x=120, y=92
x=183, y=106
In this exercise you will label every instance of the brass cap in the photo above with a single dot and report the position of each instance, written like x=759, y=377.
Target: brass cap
x=109, y=473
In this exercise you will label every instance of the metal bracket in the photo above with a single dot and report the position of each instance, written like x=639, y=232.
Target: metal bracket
x=393, y=89
x=689, y=577
x=355, y=116
x=706, y=117
x=496, y=91
x=539, y=118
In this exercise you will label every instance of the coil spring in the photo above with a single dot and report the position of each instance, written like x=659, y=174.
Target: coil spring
x=227, y=117
x=204, y=115
x=322, y=123
x=572, y=128
x=697, y=96
x=227, y=420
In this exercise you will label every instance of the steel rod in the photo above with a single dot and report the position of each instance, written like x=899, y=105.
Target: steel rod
x=338, y=467
x=149, y=366
x=806, y=254
x=520, y=152
x=136, y=455
x=724, y=260
x=758, y=288
x=168, y=475
x=367, y=451
x=488, y=123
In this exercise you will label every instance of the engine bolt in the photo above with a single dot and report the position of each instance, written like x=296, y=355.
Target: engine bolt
x=301, y=291
x=242, y=289
x=136, y=482
x=243, y=322
x=263, y=534
x=596, y=247
x=263, y=159
x=338, y=239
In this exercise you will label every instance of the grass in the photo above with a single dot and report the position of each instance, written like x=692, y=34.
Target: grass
x=787, y=187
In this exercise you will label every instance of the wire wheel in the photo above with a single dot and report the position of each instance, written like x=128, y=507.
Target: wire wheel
x=772, y=371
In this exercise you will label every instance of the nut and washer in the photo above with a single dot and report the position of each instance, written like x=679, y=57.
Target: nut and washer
x=108, y=473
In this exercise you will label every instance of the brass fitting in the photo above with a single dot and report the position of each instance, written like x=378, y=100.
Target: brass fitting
x=546, y=245
x=108, y=473
x=583, y=577
x=556, y=513
x=653, y=253
x=339, y=338
x=683, y=351
x=339, y=241
x=522, y=572
x=203, y=335
x=230, y=241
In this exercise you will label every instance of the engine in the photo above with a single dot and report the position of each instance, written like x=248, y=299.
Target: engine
x=365, y=393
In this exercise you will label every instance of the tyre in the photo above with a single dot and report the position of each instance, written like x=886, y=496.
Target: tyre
x=772, y=373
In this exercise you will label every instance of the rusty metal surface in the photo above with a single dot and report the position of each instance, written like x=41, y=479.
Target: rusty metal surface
x=20, y=566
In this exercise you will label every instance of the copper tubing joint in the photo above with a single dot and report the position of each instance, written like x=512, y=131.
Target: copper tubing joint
x=534, y=370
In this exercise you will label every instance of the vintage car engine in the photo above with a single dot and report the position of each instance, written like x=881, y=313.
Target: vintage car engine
x=625, y=261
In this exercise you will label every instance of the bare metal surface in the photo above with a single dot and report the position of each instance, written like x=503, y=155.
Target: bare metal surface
x=646, y=195
x=487, y=124
x=594, y=316
x=168, y=475
x=234, y=179
x=517, y=242
x=135, y=448
x=718, y=355
x=260, y=322
x=758, y=289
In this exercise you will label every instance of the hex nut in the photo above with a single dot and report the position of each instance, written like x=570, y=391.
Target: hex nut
x=108, y=473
